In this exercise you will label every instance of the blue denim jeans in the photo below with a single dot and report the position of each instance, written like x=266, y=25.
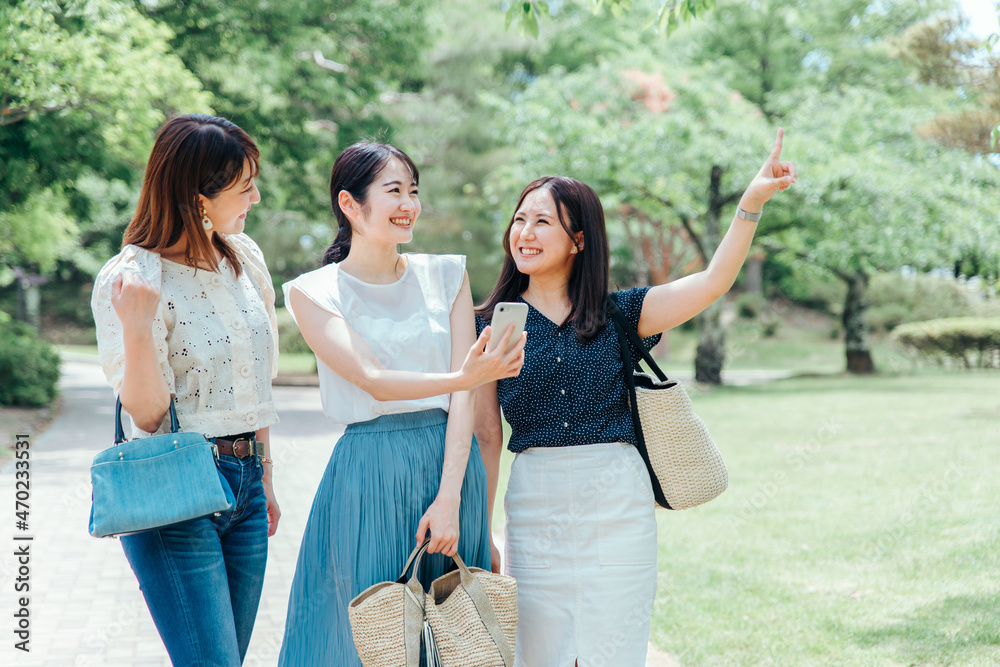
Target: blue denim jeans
x=202, y=578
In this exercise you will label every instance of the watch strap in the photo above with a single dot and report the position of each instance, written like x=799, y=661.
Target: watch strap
x=752, y=217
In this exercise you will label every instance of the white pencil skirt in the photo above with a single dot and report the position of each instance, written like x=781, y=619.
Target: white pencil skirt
x=581, y=542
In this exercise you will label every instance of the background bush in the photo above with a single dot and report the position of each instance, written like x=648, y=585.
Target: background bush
x=974, y=340
x=28, y=365
x=289, y=337
x=897, y=299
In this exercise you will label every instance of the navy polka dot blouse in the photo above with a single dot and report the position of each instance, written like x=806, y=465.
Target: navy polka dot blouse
x=570, y=393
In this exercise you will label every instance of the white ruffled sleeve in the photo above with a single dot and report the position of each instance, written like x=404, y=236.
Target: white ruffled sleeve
x=320, y=286
x=253, y=259
x=110, y=334
x=451, y=275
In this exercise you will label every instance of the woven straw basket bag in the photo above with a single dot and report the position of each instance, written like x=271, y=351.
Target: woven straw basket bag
x=685, y=466
x=467, y=619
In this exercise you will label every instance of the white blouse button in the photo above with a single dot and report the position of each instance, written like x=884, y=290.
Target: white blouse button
x=237, y=324
x=251, y=419
x=245, y=370
x=216, y=280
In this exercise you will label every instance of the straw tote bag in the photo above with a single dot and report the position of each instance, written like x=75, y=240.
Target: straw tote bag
x=684, y=464
x=467, y=619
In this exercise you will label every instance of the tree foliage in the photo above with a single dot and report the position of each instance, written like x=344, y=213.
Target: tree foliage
x=84, y=84
x=305, y=80
x=947, y=62
x=665, y=17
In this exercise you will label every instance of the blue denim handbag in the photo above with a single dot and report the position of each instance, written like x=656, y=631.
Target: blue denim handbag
x=156, y=481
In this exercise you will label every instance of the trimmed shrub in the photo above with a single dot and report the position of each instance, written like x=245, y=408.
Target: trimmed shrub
x=29, y=367
x=973, y=340
x=289, y=337
x=769, y=325
x=749, y=306
x=896, y=300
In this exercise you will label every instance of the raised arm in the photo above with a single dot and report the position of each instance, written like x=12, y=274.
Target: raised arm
x=674, y=303
x=345, y=352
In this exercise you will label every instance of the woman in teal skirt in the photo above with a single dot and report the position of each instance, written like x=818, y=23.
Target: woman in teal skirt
x=398, y=358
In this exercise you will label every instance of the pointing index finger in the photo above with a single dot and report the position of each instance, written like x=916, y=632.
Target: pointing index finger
x=776, y=151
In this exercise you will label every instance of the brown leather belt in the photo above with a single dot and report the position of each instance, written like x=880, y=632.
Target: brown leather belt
x=240, y=447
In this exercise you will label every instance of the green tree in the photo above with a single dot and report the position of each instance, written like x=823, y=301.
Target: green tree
x=955, y=68
x=83, y=86
x=879, y=197
x=876, y=197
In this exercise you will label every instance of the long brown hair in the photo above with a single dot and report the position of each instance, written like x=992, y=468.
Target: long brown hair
x=355, y=170
x=579, y=210
x=193, y=155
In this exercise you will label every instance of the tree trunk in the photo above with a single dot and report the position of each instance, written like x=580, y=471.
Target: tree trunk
x=29, y=297
x=711, y=345
x=33, y=305
x=857, y=330
x=711, y=332
x=755, y=273
x=21, y=284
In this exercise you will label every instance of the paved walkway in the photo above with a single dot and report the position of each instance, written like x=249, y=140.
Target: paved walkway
x=85, y=606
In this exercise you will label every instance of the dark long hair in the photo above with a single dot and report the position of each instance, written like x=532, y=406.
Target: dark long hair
x=579, y=210
x=354, y=171
x=193, y=155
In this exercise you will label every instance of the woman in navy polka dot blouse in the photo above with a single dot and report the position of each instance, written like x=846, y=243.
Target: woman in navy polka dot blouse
x=581, y=534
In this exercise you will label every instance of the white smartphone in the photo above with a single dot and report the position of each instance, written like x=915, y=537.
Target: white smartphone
x=505, y=313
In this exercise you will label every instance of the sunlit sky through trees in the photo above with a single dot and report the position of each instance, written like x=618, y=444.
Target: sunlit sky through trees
x=982, y=16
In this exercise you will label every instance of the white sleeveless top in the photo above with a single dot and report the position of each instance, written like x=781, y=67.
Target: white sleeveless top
x=215, y=337
x=407, y=324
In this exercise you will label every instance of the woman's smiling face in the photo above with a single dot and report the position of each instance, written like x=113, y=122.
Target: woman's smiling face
x=393, y=205
x=228, y=209
x=538, y=242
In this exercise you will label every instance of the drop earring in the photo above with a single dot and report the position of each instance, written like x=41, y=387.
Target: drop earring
x=205, y=221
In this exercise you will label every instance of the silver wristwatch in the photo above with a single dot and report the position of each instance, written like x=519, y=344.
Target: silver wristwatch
x=752, y=217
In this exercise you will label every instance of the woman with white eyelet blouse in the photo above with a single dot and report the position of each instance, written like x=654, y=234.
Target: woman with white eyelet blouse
x=186, y=309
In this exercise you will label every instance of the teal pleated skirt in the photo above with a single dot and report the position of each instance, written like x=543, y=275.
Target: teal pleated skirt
x=382, y=477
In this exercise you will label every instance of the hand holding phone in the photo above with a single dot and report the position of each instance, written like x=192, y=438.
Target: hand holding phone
x=505, y=314
x=485, y=362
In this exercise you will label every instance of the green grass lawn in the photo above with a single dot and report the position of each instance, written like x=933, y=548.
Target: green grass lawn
x=860, y=526
x=799, y=351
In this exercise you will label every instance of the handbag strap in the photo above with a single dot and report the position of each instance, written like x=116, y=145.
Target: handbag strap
x=414, y=602
x=417, y=550
x=625, y=327
x=478, y=595
x=617, y=319
x=120, y=432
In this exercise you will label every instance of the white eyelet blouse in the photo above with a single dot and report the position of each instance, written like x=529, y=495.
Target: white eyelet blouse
x=216, y=337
